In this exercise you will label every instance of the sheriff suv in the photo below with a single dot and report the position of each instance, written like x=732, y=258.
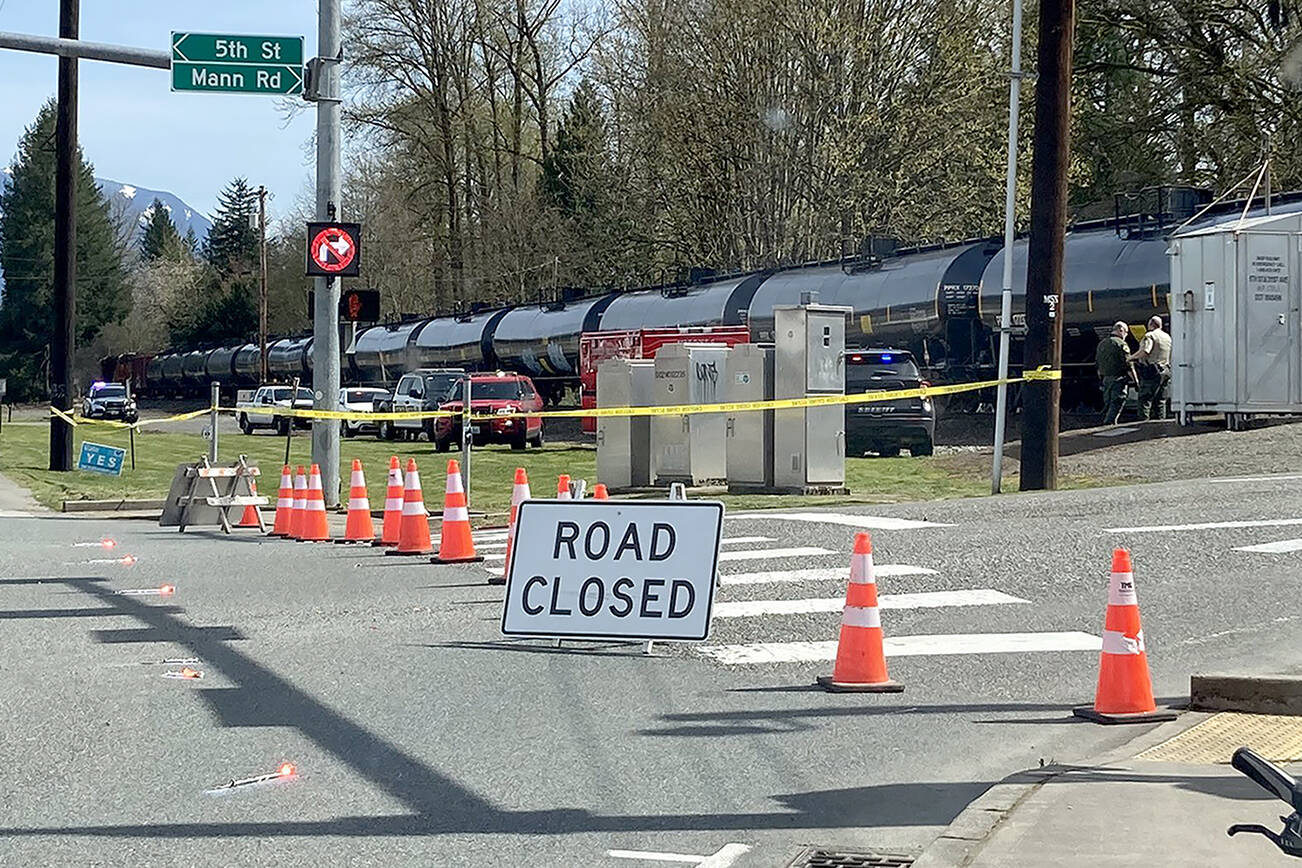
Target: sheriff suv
x=885, y=427
x=109, y=401
x=495, y=394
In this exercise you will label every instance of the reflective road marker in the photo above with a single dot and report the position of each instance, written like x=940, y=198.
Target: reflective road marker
x=907, y=646
x=924, y=600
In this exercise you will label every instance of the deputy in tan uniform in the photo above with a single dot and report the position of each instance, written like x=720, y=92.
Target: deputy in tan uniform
x=1153, y=364
x=1114, y=371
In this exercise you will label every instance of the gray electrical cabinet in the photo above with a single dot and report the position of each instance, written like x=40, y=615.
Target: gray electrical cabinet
x=748, y=376
x=809, y=361
x=1236, y=334
x=624, y=442
x=689, y=448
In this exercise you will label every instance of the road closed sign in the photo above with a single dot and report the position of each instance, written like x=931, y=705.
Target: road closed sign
x=613, y=569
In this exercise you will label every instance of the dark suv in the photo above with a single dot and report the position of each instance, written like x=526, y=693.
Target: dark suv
x=885, y=427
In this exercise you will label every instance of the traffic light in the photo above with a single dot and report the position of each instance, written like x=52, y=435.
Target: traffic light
x=355, y=305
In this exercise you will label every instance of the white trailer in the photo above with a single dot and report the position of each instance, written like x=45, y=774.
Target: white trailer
x=1236, y=338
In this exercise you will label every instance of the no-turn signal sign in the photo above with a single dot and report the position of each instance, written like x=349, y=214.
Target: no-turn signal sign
x=334, y=249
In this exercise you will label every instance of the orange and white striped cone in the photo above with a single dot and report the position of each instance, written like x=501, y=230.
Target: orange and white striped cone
x=563, y=487
x=391, y=530
x=519, y=494
x=250, y=517
x=860, y=661
x=456, y=546
x=1125, y=690
x=414, y=536
x=315, y=526
x=300, y=504
x=358, y=527
x=284, y=504
x=599, y=492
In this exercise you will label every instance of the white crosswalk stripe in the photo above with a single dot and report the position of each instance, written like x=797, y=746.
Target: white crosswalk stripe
x=907, y=646
x=923, y=600
x=837, y=574
x=865, y=522
x=745, y=540
x=1274, y=548
x=766, y=554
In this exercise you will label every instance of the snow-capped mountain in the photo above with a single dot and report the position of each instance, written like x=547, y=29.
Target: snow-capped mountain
x=132, y=205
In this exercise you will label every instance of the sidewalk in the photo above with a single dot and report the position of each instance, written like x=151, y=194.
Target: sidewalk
x=1121, y=811
x=15, y=499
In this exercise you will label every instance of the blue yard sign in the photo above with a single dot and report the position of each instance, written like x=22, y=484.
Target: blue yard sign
x=98, y=458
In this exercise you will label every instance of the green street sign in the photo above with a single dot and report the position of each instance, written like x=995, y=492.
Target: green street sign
x=219, y=63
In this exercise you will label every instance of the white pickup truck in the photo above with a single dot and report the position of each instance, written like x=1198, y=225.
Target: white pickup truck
x=271, y=396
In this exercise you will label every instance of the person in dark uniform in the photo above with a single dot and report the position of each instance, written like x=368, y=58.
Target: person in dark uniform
x=1112, y=360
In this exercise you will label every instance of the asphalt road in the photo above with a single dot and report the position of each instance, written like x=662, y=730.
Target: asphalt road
x=421, y=736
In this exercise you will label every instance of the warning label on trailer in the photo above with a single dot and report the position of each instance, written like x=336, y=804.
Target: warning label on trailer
x=612, y=569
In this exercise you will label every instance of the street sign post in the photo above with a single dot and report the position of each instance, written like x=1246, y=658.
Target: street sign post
x=334, y=249
x=220, y=63
x=613, y=569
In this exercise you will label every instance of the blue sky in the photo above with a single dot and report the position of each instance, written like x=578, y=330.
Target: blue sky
x=135, y=130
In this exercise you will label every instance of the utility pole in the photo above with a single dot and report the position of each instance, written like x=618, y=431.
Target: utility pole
x=325, y=313
x=63, y=342
x=262, y=280
x=1044, y=307
x=1010, y=235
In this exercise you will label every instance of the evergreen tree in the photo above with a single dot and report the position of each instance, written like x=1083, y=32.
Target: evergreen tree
x=27, y=259
x=190, y=243
x=232, y=244
x=159, y=239
x=574, y=174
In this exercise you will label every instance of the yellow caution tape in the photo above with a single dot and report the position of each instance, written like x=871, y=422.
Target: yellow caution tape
x=1041, y=373
x=78, y=419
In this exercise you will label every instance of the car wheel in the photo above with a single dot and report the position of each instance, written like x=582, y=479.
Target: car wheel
x=384, y=430
x=345, y=430
x=926, y=447
x=428, y=428
x=245, y=427
x=282, y=426
x=889, y=451
x=443, y=445
x=538, y=440
x=518, y=443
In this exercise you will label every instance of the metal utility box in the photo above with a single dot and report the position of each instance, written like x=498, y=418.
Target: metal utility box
x=748, y=376
x=690, y=448
x=809, y=361
x=624, y=442
x=1236, y=344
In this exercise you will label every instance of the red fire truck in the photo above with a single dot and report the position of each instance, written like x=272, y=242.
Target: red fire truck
x=596, y=347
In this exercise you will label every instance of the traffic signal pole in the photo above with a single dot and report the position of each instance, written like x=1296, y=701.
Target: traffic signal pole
x=1044, y=307
x=63, y=340
x=325, y=313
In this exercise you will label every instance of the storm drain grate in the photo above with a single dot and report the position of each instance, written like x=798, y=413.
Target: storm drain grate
x=836, y=859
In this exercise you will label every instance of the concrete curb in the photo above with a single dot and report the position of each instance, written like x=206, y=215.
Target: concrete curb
x=1251, y=694
x=969, y=830
x=112, y=505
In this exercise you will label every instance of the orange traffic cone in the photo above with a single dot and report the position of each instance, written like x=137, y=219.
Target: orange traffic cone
x=563, y=487
x=358, y=527
x=300, y=504
x=315, y=526
x=599, y=492
x=284, y=504
x=860, y=662
x=413, y=538
x=391, y=531
x=455, y=543
x=250, y=517
x=1125, y=691
x=519, y=494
